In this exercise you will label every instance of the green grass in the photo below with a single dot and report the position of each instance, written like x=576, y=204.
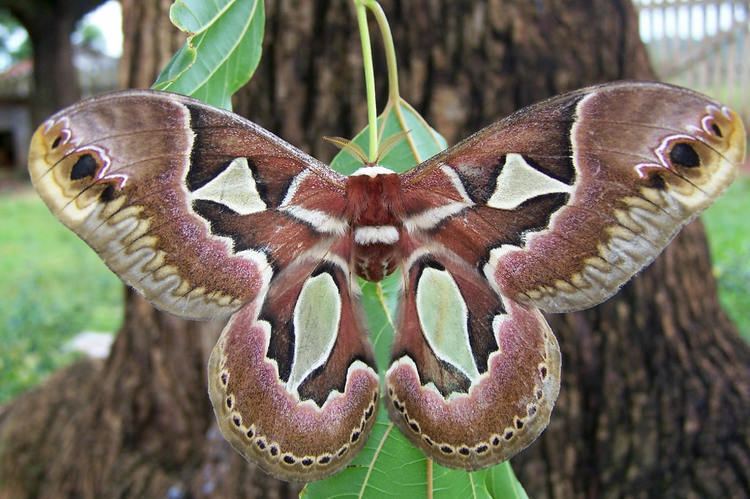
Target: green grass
x=52, y=286
x=729, y=238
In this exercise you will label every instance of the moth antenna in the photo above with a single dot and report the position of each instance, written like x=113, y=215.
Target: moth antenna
x=389, y=143
x=348, y=146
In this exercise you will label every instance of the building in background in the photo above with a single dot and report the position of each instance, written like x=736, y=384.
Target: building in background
x=701, y=44
x=97, y=73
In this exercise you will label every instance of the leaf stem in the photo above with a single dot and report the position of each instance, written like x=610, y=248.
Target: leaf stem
x=390, y=49
x=372, y=112
x=394, y=97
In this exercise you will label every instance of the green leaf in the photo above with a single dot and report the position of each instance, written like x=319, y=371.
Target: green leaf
x=221, y=53
x=389, y=465
x=193, y=16
x=421, y=141
x=502, y=482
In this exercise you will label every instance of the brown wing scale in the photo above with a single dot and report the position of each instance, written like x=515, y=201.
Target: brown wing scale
x=552, y=208
x=189, y=204
x=601, y=178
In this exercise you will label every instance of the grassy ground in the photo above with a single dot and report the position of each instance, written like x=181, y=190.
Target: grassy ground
x=729, y=238
x=53, y=286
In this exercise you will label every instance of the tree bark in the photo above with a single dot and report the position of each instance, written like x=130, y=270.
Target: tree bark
x=655, y=397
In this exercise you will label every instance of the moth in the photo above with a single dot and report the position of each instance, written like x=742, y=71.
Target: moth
x=551, y=209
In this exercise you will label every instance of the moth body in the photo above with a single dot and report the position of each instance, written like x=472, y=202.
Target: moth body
x=374, y=211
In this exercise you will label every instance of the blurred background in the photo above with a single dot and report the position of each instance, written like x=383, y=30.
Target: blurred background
x=700, y=44
x=655, y=380
x=46, y=312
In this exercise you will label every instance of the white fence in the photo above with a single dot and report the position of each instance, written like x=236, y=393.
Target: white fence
x=701, y=44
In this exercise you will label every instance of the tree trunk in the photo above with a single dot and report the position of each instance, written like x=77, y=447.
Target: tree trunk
x=655, y=398
x=55, y=77
x=49, y=25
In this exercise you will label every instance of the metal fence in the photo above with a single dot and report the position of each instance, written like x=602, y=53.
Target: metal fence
x=701, y=44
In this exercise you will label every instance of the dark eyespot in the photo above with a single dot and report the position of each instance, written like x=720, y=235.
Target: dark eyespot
x=355, y=436
x=307, y=462
x=289, y=459
x=274, y=450
x=463, y=451
x=717, y=130
x=657, y=182
x=414, y=426
x=250, y=433
x=531, y=410
x=428, y=441
x=482, y=449
x=108, y=194
x=236, y=421
x=543, y=371
x=496, y=441
x=224, y=377
x=539, y=394
x=343, y=450
x=324, y=459
x=84, y=167
x=57, y=141
x=446, y=450
x=683, y=154
x=519, y=424
x=508, y=435
x=229, y=402
x=369, y=412
x=260, y=443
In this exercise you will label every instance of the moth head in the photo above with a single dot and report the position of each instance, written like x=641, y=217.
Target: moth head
x=351, y=147
x=698, y=165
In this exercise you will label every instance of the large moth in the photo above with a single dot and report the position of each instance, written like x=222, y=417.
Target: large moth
x=551, y=209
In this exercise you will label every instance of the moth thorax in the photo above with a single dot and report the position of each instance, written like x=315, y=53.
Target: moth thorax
x=374, y=197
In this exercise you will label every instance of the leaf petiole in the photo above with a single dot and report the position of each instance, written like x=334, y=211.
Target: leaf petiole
x=372, y=112
x=390, y=49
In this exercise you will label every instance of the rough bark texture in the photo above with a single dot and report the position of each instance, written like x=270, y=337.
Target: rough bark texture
x=656, y=383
